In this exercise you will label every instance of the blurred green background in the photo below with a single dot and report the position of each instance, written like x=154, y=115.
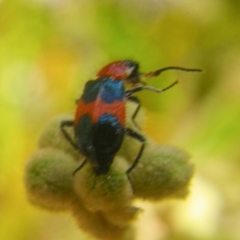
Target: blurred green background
x=50, y=48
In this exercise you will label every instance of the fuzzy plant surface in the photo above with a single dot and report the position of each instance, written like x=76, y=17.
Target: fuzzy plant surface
x=103, y=204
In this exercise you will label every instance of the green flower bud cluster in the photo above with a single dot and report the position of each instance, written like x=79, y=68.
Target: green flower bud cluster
x=103, y=204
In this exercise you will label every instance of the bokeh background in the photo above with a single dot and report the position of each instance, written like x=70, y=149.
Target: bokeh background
x=50, y=48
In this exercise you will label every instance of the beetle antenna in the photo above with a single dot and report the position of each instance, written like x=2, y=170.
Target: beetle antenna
x=150, y=88
x=159, y=71
x=158, y=90
x=170, y=86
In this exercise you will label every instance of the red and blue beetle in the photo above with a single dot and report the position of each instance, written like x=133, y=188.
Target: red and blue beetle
x=99, y=123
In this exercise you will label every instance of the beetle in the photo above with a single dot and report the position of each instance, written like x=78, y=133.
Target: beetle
x=99, y=123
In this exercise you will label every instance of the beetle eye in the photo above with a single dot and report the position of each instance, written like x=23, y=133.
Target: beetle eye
x=133, y=74
x=130, y=70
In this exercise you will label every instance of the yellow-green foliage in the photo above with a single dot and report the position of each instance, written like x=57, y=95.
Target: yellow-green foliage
x=50, y=48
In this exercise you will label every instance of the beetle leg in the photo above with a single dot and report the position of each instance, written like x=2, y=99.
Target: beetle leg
x=66, y=134
x=82, y=164
x=135, y=100
x=141, y=139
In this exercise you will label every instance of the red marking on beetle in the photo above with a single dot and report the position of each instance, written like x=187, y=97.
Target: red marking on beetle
x=116, y=70
x=96, y=109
